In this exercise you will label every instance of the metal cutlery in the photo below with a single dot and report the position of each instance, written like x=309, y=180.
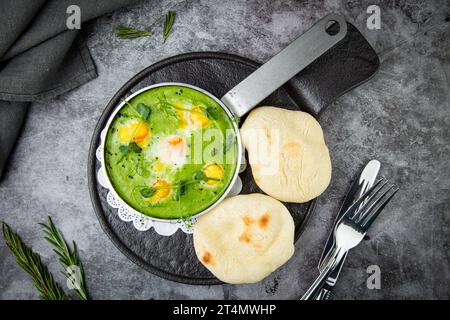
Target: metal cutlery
x=352, y=227
x=364, y=181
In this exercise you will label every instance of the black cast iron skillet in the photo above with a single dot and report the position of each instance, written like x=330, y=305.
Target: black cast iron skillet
x=349, y=63
x=252, y=90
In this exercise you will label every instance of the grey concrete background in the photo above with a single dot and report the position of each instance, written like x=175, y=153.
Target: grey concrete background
x=401, y=117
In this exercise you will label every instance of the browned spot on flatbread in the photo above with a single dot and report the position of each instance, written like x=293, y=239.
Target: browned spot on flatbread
x=292, y=144
x=264, y=220
x=207, y=258
x=246, y=237
x=247, y=220
x=293, y=148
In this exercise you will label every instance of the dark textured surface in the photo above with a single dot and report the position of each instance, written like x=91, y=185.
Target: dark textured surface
x=401, y=116
x=40, y=58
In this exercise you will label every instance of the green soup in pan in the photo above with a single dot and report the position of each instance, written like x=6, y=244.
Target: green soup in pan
x=171, y=152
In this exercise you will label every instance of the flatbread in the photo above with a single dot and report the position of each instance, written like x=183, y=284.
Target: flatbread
x=287, y=153
x=245, y=238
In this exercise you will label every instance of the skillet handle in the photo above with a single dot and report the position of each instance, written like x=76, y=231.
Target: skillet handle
x=284, y=65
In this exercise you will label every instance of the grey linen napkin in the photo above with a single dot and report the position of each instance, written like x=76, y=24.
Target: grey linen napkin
x=40, y=58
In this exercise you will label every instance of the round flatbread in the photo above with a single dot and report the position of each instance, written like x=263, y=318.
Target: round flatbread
x=287, y=153
x=245, y=238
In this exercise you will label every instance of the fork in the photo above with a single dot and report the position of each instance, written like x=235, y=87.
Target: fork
x=352, y=227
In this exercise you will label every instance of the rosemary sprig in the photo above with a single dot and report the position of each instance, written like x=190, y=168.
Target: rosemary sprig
x=124, y=32
x=168, y=24
x=67, y=257
x=31, y=263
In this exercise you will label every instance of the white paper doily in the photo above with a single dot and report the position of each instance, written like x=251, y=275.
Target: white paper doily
x=140, y=221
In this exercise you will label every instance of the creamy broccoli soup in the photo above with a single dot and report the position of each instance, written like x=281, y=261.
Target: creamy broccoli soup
x=171, y=152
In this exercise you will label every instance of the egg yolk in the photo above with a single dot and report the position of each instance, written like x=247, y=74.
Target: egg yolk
x=180, y=111
x=213, y=171
x=197, y=118
x=172, y=151
x=183, y=121
x=178, y=105
x=176, y=142
x=162, y=191
x=158, y=167
x=135, y=131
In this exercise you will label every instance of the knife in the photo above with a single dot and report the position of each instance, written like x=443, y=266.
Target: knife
x=364, y=181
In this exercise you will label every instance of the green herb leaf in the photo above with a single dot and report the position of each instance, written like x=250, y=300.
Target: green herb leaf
x=200, y=176
x=124, y=32
x=121, y=158
x=123, y=149
x=168, y=24
x=143, y=110
x=31, y=263
x=133, y=147
x=147, y=192
x=67, y=257
x=179, y=191
x=165, y=107
x=212, y=113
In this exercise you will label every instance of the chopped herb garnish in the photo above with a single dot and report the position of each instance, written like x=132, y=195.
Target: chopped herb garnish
x=179, y=191
x=126, y=150
x=212, y=113
x=147, y=192
x=123, y=149
x=200, y=176
x=143, y=110
x=131, y=147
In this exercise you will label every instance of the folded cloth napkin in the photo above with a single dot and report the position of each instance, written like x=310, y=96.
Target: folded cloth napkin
x=40, y=57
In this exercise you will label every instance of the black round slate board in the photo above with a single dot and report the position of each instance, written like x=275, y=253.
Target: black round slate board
x=173, y=257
